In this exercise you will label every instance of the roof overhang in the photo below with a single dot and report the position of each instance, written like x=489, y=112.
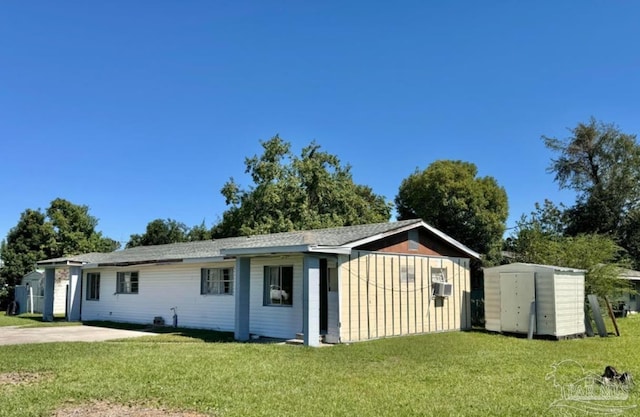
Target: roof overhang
x=273, y=250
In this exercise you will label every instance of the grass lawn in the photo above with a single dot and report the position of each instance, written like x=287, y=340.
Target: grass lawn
x=446, y=374
x=33, y=320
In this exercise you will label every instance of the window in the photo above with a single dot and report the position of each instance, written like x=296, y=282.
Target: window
x=407, y=273
x=438, y=274
x=216, y=281
x=93, y=286
x=278, y=285
x=127, y=283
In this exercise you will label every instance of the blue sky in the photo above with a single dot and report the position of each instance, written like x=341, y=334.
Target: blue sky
x=143, y=109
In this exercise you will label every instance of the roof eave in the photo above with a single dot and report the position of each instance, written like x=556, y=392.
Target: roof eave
x=408, y=227
x=266, y=250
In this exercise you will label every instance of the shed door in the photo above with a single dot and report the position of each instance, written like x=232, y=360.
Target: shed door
x=517, y=291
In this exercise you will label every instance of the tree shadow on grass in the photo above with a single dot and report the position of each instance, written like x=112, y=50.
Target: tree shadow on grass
x=207, y=336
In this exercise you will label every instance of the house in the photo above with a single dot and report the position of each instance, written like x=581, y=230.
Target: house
x=30, y=294
x=628, y=302
x=347, y=284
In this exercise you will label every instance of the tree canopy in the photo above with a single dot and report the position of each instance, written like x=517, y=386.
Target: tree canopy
x=602, y=165
x=451, y=197
x=540, y=239
x=63, y=229
x=292, y=192
x=162, y=231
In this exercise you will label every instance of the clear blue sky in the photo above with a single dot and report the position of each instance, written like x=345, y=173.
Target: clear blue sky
x=143, y=109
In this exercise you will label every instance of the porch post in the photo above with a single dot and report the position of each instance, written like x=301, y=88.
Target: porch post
x=75, y=293
x=49, y=288
x=242, y=291
x=311, y=301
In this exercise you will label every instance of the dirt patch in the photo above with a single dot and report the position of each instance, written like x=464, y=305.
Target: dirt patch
x=105, y=409
x=22, y=378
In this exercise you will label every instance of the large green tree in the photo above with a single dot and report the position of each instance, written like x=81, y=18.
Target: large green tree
x=159, y=232
x=29, y=241
x=602, y=165
x=63, y=229
x=75, y=230
x=539, y=238
x=451, y=197
x=292, y=192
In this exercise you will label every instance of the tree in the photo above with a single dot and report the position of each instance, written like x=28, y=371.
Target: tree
x=538, y=240
x=63, y=229
x=74, y=230
x=449, y=196
x=31, y=240
x=602, y=165
x=297, y=193
x=160, y=232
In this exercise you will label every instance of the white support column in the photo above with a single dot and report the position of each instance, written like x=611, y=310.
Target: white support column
x=49, y=288
x=311, y=301
x=242, y=299
x=75, y=294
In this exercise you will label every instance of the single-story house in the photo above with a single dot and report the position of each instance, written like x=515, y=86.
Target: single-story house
x=344, y=284
x=629, y=300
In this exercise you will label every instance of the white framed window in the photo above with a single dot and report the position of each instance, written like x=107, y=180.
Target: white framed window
x=278, y=285
x=93, y=286
x=216, y=281
x=127, y=282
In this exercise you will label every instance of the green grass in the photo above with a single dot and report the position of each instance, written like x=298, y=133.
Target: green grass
x=446, y=374
x=33, y=320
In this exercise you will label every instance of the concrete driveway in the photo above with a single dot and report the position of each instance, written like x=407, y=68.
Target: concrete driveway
x=19, y=335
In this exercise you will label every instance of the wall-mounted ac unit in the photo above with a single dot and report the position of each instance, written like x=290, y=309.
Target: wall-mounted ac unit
x=442, y=289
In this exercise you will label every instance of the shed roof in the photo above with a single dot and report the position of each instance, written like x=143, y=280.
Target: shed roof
x=331, y=240
x=515, y=265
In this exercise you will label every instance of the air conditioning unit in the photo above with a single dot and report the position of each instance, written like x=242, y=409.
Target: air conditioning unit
x=442, y=289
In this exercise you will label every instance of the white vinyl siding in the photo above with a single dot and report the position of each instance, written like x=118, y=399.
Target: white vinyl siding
x=160, y=288
x=267, y=320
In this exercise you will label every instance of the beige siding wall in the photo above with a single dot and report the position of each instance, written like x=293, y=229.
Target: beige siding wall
x=377, y=299
x=275, y=321
x=492, y=310
x=160, y=288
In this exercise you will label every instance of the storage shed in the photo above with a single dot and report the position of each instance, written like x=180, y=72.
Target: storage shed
x=557, y=294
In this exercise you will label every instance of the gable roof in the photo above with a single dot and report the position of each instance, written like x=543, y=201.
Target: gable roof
x=331, y=240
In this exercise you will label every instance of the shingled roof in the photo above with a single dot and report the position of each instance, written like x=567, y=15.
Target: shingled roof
x=337, y=239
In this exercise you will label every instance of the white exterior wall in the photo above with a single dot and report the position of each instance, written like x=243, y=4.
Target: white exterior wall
x=545, y=301
x=160, y=288
x=275, y=321
x=569, y=304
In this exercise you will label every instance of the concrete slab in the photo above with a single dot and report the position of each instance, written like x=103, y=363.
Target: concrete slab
x=21, y=335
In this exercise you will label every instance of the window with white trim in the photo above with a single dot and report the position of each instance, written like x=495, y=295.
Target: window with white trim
x=216, y=281
x=93, y=286
x=127, y=282
x=278, y=285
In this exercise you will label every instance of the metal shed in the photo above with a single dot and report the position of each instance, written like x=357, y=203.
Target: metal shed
x=557, y=294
